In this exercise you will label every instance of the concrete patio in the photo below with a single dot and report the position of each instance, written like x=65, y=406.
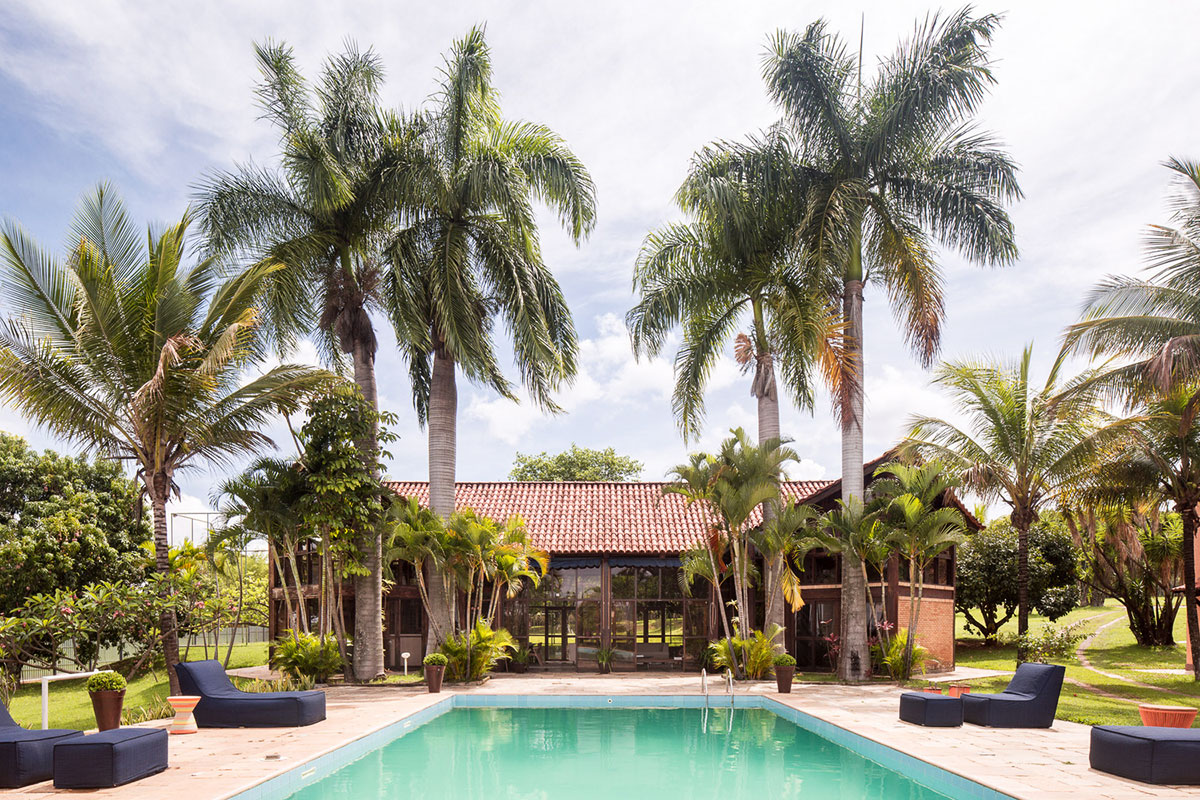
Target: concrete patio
x=215, y=764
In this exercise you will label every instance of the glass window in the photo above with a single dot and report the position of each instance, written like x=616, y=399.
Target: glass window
x=624, y=581
x=621, y=619
x=670, y=582
x=588, y=583
x=648, y=582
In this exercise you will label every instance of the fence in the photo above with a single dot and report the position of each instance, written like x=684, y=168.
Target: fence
x=195, y=645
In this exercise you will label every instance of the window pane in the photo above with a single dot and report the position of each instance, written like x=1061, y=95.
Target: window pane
x=670, y=582
x=588, y=583
x=674, y=622
x=622, y=619
x=647, y=582
x=624, y=579
x=589, y=619
x=696, y=619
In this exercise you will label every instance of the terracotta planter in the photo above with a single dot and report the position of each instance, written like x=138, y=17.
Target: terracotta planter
x=518, y=668
x=783, y=679
x=107, y=707
x=605, y=669
x=959, y=689
x=1167, y=716
x=433, y=677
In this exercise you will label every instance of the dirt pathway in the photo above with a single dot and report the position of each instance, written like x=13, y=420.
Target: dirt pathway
x=1084, y=661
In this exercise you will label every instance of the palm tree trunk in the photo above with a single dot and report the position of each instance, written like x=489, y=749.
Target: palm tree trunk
x=237, y=619
x=287, y=598
x=368, y=588
x=301, y=597
x=1021, y=519
x=766, y=391
x=159, y=487
x=854, y=660
x=1187, y=513
x=443, y=420
x=914, y=602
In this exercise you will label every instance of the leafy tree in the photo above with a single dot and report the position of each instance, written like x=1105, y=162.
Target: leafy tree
x=576, y=464
x=132, y=354
x=1023, y=445
x=65, y=523
x=469, y=253
x=321, y=220
x=1154, y=327
x=985, y=591
x=892, y=165
x=852, y=528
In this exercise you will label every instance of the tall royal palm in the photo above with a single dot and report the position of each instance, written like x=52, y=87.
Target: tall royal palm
x=1023, y=445
x=132, y=354
x=324, y=216
x=469, y=253
x=736, y=264
x=1153, y=326
x=895, y=164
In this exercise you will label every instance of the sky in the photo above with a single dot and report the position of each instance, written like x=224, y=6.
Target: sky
x=1090, y=99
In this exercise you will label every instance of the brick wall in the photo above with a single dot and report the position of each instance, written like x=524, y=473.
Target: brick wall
x=935, y=629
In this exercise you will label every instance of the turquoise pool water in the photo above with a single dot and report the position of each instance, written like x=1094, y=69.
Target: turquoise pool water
x=628, y=754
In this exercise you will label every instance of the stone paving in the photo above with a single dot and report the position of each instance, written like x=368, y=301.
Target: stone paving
x=215, y=764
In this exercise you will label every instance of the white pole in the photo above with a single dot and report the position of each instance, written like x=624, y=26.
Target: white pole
x=45, y=703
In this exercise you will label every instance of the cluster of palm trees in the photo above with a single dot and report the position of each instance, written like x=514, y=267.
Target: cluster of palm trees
x=1116, y=444
x=857, y=183
x=425, y=218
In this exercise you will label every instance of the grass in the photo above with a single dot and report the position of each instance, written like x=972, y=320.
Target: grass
x=1089, y=696
x=71, y=707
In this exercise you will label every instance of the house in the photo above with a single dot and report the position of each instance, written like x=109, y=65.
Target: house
x=614, y=579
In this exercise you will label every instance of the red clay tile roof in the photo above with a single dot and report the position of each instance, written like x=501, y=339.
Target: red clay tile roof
x=592, y=517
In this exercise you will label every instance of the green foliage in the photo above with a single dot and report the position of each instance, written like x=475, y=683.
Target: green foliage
x=470, y=657
x=1050, y=643
x=576, y=464
x=756, y=653
x=106, y=682
x=156, y=708
x=435, y=660
x=65, y=522
x=892, y=655
x=521, y=654
x=605, y=655
x=986, y=580
x=305, y=655
x=784, y=660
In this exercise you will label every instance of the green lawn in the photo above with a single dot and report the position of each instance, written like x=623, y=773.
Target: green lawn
x=70, y=706
x=1113, y=650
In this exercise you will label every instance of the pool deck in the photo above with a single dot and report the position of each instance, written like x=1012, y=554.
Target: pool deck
x=215, y=764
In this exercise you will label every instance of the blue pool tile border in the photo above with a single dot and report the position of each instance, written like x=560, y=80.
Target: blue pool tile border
x=931, y=776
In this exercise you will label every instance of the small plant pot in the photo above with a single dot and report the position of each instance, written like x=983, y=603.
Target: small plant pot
x=433, y=677
x=519, y=669
x=605, y=669
x=783, y=679
x=107, y=707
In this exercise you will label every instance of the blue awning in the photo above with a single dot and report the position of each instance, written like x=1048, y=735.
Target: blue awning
x=557, y=562
x=643, y=561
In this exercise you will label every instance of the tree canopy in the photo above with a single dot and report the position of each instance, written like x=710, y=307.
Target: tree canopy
x=576, y=464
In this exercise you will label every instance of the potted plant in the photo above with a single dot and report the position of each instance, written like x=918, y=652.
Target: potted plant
x=520, y=658
x=435, y=668
x=604, y=657
x=785, y=670
x=107, y=690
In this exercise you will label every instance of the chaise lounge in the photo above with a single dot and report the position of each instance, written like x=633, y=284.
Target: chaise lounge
x=1029, y=701
x=223, y=705
x=27, y=756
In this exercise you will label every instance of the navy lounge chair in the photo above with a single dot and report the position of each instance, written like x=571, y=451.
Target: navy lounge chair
x=1147, y=754
x=222, y=705
x=27, y=756
x=109, y=758
x=1029, y=701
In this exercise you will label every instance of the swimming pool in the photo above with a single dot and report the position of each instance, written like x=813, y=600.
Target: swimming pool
x=629, y=747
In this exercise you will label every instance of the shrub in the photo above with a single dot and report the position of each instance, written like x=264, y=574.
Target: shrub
x=756, y=653
x=1050, y=643
x=105, y=682
x=784, y=660
x=486, y=647
x=157, y=708
x=521, y=655
x=303, y=655
x=890, y=658
x=435, y=660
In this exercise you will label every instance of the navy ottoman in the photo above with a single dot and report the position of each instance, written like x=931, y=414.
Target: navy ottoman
x=28, y=756
x=931, y=710
x=1150, y=755
x=109, y=758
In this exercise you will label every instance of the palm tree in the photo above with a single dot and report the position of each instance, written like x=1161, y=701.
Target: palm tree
x=853, y=528
x=324, y=216
x=892, y=166
x=132, y=354
x=1024, y=445
x=737, y=263
x=784, y=539
x=1155, y=326
x=919, y=525
x=469, y=252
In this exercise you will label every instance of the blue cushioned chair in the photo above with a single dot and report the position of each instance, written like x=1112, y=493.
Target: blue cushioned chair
x=27, y=756
x=931, y=710
x=1029, y=701
x=223, y=705
x=1150, y=754
x=109, y=758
